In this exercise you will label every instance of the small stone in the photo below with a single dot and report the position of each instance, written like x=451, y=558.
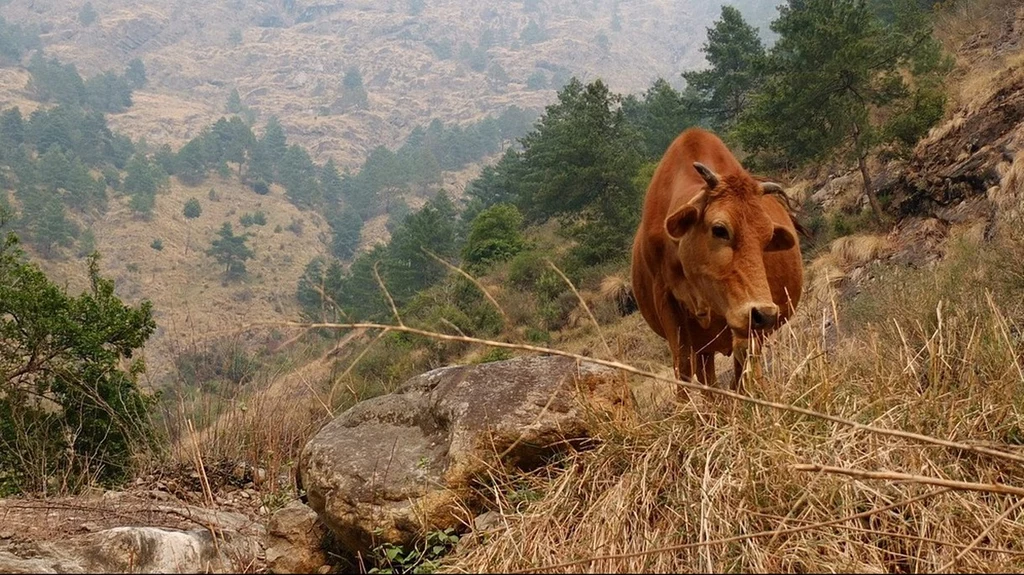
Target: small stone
x=486, y=521
x=263, y=510
x=324, y=569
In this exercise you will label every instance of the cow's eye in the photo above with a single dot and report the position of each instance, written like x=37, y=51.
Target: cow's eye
x=719, y=231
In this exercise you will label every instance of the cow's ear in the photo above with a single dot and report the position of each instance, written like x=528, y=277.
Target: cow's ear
x=681, y=221
x=782, y=239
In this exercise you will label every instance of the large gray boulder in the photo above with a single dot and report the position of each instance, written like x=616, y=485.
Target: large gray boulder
x=392, y=468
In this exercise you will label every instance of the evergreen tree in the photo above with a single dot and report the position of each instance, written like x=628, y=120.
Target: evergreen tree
x=843, y=83
x=660, y=117
x=495, y=185
x=234, y=105
x=408, y=268
x=135, y=74
x=737, y=59
x=578, y=165
x=141, y=183
x=331, y=184
x=298, y=175
x=230, y=251
x=360, y=295
x=346, y=227
x=261, y=167
x=274, y=143
x=50, y=227
x=190, y=163
x=319, y=290
x=87, y=15
x=191, y=211
x=353, y=92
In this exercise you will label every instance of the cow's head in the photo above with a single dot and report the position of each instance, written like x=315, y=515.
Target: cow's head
x=721, y=236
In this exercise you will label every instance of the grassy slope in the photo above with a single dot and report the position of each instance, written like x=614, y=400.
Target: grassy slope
x=190, y=299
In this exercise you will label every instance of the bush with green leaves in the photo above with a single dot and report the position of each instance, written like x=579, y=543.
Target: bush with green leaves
x=422, y=558
x=71, y=409
x=494, y=236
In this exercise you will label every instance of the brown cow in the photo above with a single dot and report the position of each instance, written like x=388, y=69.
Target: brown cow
x=716, y=258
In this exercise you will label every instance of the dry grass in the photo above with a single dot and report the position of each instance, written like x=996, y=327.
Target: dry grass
x=973, y=31
x=717, y=485
x=904, y=473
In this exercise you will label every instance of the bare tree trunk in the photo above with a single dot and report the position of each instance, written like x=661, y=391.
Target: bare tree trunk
x=862, y=162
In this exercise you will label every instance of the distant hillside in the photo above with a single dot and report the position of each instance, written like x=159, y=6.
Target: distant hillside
x=192, y=302
x=456, y=60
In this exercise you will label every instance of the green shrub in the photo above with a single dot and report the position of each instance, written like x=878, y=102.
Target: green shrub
x=71, y=409
x=423, y=558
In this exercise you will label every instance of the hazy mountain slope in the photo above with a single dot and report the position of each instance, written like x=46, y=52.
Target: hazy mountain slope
x=192, y=302
x=289, y=57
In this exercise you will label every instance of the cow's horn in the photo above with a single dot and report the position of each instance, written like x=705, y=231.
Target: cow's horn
x=710, y=177
x=772, y=188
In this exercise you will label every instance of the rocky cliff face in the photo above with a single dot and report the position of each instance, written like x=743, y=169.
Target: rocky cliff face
x=971, y=167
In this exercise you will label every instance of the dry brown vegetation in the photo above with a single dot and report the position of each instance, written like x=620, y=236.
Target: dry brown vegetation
x=716, y=484
x=292, y=66
x=192, y=302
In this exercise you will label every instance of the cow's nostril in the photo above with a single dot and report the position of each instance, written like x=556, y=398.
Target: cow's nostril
x=756, y=319
x=762, y=317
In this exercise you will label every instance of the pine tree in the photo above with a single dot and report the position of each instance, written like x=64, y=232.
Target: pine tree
x=737, y=59
x=230, y=251
x=87, y=15
x=135, y=74
x=191, y=211
x=274, y=144
x=331, y=184
x=234, y=105
x=840, y=85
x=141, y=183
x=660, y=116
x=578, y=165
x=346, y=227
x=353, y=92
x=408, y=268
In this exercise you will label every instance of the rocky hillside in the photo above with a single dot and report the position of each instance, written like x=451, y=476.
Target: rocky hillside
x=452, y=59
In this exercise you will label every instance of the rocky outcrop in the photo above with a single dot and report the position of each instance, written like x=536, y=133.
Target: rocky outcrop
x=137, y=550
x=294, y=540
x=959, y=166
x=393, y=467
